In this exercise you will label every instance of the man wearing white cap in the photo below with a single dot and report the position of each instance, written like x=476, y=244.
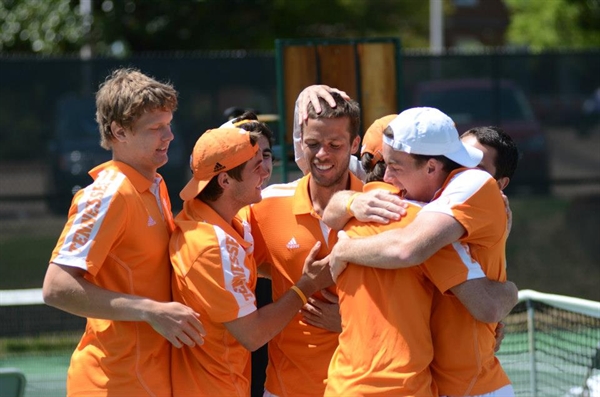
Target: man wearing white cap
x=425, y=160
x=214, y=271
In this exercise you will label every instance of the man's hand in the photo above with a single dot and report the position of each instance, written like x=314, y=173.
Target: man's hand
x=322, y=314
x=499, y=336
x=317, y=271
x=508, y=214
x=178, y=323
x=378, y=205
x=311, y=94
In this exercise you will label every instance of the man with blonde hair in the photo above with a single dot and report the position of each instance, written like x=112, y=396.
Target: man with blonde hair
x=111, y=262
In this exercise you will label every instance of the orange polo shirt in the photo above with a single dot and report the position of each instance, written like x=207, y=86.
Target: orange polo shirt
x=215, y=274
x=465, y=363
x=385, y=347
x=285, y=227
x=117, y=232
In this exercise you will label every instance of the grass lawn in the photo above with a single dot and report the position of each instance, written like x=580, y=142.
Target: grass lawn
x=61, y=341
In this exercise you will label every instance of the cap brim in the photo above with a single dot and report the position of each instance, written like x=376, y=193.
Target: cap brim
x=467, y=156
x=192, y=189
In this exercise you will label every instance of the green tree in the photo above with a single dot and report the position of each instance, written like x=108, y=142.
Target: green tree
x=123, y=26
x=548, y=24
x=49, y=26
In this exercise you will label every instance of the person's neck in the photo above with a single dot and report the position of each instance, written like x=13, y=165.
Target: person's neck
x=224, y=208
x=438, y=184
x=320, y=195
x=146, y=173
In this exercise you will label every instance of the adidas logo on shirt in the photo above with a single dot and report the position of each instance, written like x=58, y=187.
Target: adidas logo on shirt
x=292, y=244
x=151, y=222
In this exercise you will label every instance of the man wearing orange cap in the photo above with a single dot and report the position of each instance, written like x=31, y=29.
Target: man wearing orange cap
x=215, y=272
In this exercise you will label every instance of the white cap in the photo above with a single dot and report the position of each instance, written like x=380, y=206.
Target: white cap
x=430, y=132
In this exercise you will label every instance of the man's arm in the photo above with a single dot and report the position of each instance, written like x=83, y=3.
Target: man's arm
x=488, y=301
x=376, y=205
x=398, y=248
x=66, y=288
x=260, y=326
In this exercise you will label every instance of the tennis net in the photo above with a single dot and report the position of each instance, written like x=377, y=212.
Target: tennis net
x=551, y=345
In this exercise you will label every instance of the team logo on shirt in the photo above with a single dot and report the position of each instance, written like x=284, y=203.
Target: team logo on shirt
x=83, y=226
x=292, y=244
x=239, y=281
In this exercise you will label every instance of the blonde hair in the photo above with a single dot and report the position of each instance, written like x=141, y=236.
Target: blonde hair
x=125, y=96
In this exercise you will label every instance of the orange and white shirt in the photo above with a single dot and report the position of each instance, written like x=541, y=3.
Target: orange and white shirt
x=385, y=347
x=215, y=274
x=465, y=363
x=118, y=231
x=285, y=227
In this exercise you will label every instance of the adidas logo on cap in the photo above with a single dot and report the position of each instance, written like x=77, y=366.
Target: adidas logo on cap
x=218, y=167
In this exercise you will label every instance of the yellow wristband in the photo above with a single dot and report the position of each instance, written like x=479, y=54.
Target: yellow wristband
x=349, y=203
x=300, y=294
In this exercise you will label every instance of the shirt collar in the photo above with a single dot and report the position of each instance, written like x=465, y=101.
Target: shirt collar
x=138, y=181
x=303, y=203
x=447, y=181
x=198, y=211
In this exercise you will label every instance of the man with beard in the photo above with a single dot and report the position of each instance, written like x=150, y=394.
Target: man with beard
x=287, y=223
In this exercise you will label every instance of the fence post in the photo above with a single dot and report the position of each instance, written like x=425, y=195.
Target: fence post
x=531, y=337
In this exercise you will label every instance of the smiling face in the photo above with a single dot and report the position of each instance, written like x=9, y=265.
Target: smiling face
x=327, y=148
x=145, y=145
x=267, y=157
x=417, y=180
x=248, y=190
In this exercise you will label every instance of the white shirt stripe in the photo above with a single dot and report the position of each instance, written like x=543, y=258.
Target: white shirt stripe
x=91, y=213
x=234, y=271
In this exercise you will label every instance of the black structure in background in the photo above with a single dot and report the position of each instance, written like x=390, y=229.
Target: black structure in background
x=261, y=356
x=556, y=85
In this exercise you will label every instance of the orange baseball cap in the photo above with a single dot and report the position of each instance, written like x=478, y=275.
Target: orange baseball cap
x=372, y=141
x=217, y=150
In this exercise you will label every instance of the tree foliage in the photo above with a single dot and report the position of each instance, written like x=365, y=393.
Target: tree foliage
x=122, y=26
x=547, y=24
x=49, y=26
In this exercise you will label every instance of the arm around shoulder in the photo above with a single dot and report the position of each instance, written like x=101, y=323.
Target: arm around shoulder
x=376, y=205
x=400, y=247
x=488, y=301
x=336, y=215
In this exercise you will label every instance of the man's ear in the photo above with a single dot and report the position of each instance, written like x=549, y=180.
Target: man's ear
x=117, y=131
x=223, y=179
x=503, y=182
x=355, y=145
x=433, y=165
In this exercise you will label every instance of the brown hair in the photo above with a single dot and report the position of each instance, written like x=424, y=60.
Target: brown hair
x=344, y=108
x=125, y=96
